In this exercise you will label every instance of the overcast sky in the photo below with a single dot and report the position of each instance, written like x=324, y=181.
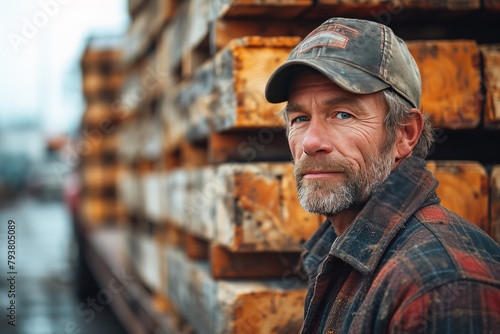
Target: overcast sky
x=41, y=42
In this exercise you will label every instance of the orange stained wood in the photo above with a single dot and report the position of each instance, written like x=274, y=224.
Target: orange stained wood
x=451, y=81
x=196, y=248
x=463, y=188
x=253, y=60
x=260, y=210
x=269, y=312
x=491, y=63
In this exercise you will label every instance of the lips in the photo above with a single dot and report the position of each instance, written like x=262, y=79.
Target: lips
x=319, y=174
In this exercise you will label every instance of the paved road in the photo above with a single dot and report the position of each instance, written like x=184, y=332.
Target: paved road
x=46, y=301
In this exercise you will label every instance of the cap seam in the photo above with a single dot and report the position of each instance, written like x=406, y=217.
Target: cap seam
x=383, y=62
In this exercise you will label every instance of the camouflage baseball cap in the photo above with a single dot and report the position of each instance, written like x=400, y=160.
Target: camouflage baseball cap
x=360, y=56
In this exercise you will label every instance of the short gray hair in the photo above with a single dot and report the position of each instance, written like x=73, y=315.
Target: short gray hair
x=398, y=114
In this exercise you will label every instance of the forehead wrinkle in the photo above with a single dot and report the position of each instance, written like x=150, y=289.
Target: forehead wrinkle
x=293, y=107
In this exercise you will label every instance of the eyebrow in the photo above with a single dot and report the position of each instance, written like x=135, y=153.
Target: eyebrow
x=351, y=100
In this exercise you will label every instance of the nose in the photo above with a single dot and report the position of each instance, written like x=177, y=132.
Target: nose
x=317, y=139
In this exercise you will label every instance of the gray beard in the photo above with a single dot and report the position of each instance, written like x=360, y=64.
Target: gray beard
x=324, y=198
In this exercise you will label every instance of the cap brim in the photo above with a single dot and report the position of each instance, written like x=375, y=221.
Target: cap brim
x=344, y=75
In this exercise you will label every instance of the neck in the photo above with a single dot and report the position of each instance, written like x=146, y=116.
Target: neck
x=343, y=219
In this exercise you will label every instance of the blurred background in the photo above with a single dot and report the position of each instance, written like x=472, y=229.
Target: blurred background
x=150, y=183
x=41, y=105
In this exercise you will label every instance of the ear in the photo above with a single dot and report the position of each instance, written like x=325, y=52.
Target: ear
x=407, y=135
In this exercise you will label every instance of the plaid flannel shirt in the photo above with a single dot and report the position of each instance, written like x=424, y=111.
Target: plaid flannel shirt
x=404, y=265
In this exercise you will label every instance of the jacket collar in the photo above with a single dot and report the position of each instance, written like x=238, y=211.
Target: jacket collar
x=407, y=189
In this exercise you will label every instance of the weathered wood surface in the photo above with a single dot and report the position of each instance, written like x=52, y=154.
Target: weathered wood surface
x=463, y=188
x=175, y=187
x=491, y=63
x=129, y=188
x=147, y=260
x=96, y=211
x=244, y=207
x=451, y=81
x=226, y=93
x=95, y=175
x=101, y=60
x=258, y=8
x=220, y=306
x=175, y=120
x=100, y=115
x=495, y=203
x=151, y=193
x=258, y=208
x=97, y=85
x=242, y=69
x=387, y=11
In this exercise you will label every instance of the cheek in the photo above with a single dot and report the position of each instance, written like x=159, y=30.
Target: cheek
x=295, y=143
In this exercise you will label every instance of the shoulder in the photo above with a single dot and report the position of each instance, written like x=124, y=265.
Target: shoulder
x=473, y=253
x=462, y=306
x=437, y=246
x=435, y=261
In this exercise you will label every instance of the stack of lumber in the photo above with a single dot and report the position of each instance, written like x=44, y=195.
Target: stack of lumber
x=214, y=228
x=102, y=77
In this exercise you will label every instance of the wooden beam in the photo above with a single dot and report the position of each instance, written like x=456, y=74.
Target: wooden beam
x=491, y=61
x=239, y=100
x=244, y=207
x=257, y=8
x=386, y=11
x=227, y=92
x=259, y=209
x=463, y=188
x=96, y=175
x=243, y=306
x=451, y=82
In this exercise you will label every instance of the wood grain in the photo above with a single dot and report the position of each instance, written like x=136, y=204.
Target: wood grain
x=451, y=81
x=463, y=188
x=491, y=68
x=259, y=209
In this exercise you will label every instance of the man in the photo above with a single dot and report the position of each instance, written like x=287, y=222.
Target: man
x=389, y=258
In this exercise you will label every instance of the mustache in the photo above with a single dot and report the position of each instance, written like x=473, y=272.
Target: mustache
x=308, y=164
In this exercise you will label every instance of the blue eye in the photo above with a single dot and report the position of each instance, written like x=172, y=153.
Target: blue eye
x=300, y=119
x=343, y=115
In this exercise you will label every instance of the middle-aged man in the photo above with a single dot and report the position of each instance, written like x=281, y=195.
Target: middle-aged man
x=389, y=258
